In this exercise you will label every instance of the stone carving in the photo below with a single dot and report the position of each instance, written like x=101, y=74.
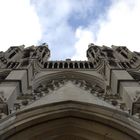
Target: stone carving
x=44, y=88
x=25, y=102
x=16, y=106
x=98, y=58
x=99, y=92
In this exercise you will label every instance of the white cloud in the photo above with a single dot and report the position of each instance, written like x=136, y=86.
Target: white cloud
x=57, y=31
x=84, y=37
x=19, y=24
x=122, y=26
x=27, y=23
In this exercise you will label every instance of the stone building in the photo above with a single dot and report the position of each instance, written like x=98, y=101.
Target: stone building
x=97, y=99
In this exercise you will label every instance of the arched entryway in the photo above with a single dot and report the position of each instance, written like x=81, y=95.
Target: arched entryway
x=70, y=120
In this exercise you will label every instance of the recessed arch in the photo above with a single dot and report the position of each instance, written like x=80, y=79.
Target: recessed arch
x=50, y=64
x=81, y=65
x=69, y=118
x=86, y=65
x=60, y=65
x=71, y=65
x=45, y=64
x=55, y=65
x=94, y=77
x=65, y=65
x=76, y=65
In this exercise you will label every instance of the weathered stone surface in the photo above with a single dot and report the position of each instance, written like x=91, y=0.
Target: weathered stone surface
x=73, y=100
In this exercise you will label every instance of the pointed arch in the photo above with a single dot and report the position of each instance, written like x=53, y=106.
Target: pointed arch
x=73, y=119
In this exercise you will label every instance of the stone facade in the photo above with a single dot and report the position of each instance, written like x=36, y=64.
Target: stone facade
x=97, y=99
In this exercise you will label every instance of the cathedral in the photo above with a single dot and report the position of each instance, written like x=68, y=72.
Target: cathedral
x=95, y=99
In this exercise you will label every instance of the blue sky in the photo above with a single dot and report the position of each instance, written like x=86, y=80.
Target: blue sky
x=89, y=13
x=68, y=26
